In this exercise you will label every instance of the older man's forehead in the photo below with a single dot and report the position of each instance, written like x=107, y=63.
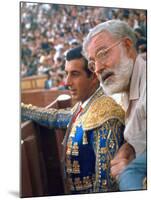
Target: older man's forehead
x=100, y=40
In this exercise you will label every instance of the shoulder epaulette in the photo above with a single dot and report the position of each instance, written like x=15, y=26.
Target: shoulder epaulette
x=101, y=110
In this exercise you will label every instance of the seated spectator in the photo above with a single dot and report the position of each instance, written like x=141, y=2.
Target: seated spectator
x=141, y=40
x=48, y=82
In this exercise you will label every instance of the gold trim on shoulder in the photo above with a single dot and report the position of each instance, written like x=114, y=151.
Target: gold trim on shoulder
x=102, y=109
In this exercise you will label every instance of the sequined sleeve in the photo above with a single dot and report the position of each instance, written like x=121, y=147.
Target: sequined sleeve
x=52, y=118
x=108, y=139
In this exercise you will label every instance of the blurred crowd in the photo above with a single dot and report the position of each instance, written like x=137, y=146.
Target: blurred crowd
x=48, y=31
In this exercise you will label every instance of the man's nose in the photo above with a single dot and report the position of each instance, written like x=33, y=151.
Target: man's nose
x=99, y=67
x=68, y=81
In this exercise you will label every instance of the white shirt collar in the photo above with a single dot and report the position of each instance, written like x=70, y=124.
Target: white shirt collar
x=86, y=102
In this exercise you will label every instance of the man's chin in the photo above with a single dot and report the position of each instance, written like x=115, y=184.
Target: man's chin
x=110, y=90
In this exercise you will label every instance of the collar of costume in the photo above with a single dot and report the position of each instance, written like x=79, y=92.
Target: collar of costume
x=99, y=109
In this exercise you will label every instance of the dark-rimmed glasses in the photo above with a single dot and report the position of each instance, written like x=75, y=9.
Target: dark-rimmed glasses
x=101, y=55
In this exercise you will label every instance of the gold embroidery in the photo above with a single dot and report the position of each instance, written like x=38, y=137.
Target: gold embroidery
x=69, y=146
x=104, y=166
x=76, y=167
x=103, y=150
x=73, y=131
x=75, y=149
x=87, y=183
x=104, y=183
x=104, y=136
x=75, y=124
x=101, y=110
x=82, y=184
x=102, y=158
x=68, y=164
x=112, y=144
x=85, y=141
x=78, y=184
x=98, y=171
x=71, y=184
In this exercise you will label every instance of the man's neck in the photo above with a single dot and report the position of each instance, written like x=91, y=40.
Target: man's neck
x=84, y=103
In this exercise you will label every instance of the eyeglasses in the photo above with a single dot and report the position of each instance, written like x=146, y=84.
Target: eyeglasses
x=101, y=55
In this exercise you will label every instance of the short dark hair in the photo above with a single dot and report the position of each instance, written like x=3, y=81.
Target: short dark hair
x=76, y=53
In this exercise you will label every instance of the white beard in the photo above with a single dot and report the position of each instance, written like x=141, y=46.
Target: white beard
x=119, y=81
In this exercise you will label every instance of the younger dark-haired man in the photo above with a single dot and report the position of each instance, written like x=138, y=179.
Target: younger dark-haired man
x=95, y=128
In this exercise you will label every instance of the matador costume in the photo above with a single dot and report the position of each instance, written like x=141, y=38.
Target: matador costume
x=91, y=140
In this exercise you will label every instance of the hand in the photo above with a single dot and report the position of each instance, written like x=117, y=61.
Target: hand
x=123, y=157
x=117, y=166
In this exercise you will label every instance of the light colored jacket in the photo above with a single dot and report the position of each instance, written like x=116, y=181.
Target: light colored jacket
x=135, y=106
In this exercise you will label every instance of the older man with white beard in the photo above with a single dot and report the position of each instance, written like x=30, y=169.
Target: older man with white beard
x=111, y=53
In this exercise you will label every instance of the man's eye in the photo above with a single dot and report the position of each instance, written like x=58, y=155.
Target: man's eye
x=75, y=74
x=102, y=53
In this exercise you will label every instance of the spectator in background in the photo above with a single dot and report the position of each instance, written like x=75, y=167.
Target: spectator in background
x=49, y=30
x=62, y=84
x=143, y=22
x=59, y=64
x=49, y=82
x=23, y=70
x=141, y=39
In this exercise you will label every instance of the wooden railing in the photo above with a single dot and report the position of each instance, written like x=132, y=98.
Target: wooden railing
x=41, y=173
x=32, y=163
x=41, y=97
x=33, y=82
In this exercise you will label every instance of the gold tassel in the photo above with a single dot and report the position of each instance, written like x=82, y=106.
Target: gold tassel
x=75, y=149
x=85, y=141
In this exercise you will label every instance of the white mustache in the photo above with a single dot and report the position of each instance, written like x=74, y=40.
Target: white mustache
x=105, y=74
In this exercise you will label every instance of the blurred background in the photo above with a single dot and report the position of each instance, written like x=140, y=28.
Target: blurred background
x=47, y=31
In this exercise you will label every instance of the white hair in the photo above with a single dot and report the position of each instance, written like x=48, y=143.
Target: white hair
x=118, y=29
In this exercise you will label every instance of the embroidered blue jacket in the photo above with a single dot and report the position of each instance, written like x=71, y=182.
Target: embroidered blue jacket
x=93, y=140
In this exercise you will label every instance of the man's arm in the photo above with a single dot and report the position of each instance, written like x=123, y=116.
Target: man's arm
x=47, y=117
